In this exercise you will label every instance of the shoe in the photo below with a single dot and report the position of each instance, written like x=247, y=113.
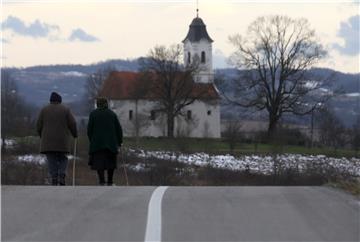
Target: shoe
x=111, y=184
x=62, y=180
x=54, y=181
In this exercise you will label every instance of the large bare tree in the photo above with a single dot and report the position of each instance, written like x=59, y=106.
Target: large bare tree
x=171, y=83
x=275, y=56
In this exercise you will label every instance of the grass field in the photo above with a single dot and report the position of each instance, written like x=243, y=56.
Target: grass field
x=159, y=172
x=219, y=146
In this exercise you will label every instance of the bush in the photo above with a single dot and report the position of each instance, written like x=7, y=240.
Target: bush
x=283, y=136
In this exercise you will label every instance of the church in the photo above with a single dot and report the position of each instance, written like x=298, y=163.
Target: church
x=137, y=114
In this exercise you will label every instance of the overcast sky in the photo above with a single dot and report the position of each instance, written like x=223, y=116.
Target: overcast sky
x=82, y=32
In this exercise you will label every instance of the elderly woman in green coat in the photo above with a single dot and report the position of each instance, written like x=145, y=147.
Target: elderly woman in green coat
x=105, y=136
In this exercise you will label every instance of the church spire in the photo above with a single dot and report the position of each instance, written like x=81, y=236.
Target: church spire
x=197, y=8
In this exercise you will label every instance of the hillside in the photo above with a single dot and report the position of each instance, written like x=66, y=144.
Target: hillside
x=70, y=80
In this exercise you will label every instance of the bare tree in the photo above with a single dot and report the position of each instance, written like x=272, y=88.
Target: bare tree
x=276, y=55
x=139, y=122
x=16, y=114
x=331, y=129
x=171, y=83
x=94, y=83
x=232, y=134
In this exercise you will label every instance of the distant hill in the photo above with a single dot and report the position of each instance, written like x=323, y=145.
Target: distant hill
x=35, y=84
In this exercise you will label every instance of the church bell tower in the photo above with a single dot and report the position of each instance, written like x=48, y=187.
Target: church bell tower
x=198, y=48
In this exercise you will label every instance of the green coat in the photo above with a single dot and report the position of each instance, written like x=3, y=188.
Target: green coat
x=104, y=131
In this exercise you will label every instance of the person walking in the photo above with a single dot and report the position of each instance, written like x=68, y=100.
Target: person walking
x=105, y=135
x=55, y=126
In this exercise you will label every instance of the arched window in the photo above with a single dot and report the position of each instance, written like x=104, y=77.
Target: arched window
x=189, y=57
x=202, y=56
x=189, y=115
x=152, y=115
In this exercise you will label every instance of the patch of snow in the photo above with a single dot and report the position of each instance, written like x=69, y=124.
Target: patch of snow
x=40, y=159
x=354, y=94
x=258, y=164
x=73, y=73
x=311, y=84
x=138, y=167
x=8, y=142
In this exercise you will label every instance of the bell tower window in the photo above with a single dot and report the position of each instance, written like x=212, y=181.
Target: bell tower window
x=202, y=56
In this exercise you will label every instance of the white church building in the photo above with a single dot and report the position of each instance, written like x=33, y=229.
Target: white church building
x=137, y=114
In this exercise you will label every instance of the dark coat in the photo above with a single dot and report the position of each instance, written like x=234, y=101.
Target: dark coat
x=55, y=126
x=104, y=131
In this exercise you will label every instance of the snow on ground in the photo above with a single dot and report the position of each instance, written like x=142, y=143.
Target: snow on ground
x=259, y=164
x=252, y=163
x=8, y=142
x=40, y=159
x=32, y=158
x=73, y=73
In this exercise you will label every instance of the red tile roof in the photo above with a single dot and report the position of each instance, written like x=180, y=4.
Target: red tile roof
x=126, y=85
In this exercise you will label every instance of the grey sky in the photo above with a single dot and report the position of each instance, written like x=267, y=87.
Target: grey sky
x=82, y=32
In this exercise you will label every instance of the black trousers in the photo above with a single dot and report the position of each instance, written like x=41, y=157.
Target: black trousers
x=110, y=174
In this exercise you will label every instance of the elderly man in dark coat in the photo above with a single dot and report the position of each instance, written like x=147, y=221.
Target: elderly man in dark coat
x=105, y=136
x=55, y=126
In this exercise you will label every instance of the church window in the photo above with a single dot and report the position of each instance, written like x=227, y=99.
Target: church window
x=202, y=56
x=189, y=114
x=130, y=114
x=189, y=57
x=209, y=112
x=152, y=115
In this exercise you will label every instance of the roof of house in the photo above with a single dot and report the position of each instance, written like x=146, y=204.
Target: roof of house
x=197, y=31
x=132, y=85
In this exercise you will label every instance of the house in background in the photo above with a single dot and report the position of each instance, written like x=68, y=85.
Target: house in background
x=136, y=108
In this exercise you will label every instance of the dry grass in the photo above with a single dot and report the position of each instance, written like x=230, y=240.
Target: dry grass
x=351, y=186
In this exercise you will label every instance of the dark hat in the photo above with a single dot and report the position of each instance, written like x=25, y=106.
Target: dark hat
x=101, y=102
x=55, y=98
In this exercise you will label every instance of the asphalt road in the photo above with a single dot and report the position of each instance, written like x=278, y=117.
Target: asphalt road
x=39, y=213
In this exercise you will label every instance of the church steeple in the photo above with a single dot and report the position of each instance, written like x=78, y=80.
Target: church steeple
x=198, y=46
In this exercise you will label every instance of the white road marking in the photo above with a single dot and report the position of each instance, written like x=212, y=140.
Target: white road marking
x=153, y=225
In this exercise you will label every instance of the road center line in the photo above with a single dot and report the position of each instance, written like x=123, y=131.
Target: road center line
x=153, y=225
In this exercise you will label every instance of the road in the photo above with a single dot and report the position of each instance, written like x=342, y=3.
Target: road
x=45, y=213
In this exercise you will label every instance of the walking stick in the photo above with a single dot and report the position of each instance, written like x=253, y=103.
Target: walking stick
x=73, y=178
x=123, y=161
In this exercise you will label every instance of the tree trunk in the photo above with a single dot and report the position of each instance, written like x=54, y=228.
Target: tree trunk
x=3, y=146
x=272, y=128
x=312, y=130
x=170, y=126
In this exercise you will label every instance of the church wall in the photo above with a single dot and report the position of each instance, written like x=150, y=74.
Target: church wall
x=204, y=121
x=141, y=109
